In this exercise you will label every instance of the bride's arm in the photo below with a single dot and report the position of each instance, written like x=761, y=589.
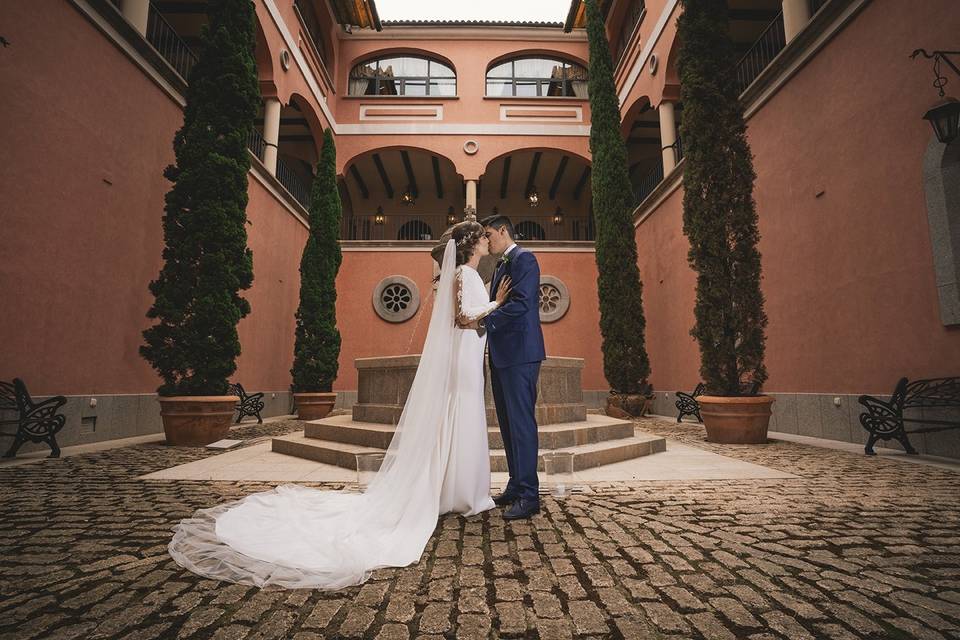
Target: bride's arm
x=470, y=306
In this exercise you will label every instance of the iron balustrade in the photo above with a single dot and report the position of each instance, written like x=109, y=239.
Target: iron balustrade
x=816, y=5
x=403, y=226
x=628, y=26
x=169, y=44
x=292, y=183
x=760, y=54
x=648, y=183
x=257, y=144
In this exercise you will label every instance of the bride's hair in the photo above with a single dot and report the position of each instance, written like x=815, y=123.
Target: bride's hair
x=466, y=235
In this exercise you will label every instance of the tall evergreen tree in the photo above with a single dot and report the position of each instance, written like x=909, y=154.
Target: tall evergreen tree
x=194, y=344
x=719, y=213
x=317, y=348
x=622, y=324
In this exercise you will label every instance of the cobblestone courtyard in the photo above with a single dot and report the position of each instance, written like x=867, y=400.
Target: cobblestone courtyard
x=855, y=547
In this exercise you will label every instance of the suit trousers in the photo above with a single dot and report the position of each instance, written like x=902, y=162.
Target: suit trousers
x=515, y=396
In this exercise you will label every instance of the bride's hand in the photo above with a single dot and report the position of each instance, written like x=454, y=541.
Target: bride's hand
x=503, y=290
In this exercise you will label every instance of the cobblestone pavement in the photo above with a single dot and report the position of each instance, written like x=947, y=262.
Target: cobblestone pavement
x=855, y=547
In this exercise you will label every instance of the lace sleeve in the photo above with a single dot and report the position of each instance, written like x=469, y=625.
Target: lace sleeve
x=468, y=310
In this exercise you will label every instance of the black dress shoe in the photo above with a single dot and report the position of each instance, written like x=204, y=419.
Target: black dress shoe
x=522, y=508
x=504, y=499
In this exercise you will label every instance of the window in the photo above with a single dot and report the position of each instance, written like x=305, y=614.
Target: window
x=530, y=230
x=402, y=76
x=537, y=77
x=415, y=230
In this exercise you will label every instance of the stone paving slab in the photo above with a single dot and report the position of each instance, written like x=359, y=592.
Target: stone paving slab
x=853, y=547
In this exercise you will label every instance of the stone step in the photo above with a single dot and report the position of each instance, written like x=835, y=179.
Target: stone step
x=585, y=456
x=595, y=428
x=552, y=413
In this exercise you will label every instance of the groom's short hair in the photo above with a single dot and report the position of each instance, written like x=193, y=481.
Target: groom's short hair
x=498, y=222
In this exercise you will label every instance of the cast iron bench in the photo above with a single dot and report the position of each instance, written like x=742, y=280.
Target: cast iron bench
x=885, y=420
x=36, y=421
x=687, y=403
x=249, y=405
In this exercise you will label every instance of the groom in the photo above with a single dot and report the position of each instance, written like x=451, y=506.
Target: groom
x=516, y=348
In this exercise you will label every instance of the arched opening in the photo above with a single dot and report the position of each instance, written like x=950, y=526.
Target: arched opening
x=415, y=230
x=548, y=188
x=642, y=129
x=402, y=75
x=530, y=230
x=537, y=76
x=402, y=193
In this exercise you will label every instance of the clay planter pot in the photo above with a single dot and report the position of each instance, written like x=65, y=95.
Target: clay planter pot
x=195, y=421
x=627, y=406
x=736, y=420
x=313, y=406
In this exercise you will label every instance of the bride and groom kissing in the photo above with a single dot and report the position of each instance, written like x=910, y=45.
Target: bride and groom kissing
x=438, y=460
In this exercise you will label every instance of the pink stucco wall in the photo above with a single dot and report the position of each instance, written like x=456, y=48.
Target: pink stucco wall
x=848, y=274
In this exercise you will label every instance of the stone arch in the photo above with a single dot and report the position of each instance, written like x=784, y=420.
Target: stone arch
x=941, y=179
x=266, y=60
x=401, y=51
x=529, y=53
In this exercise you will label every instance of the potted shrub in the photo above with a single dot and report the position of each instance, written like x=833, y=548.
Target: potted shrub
x=625, y=362
x=317, y=347
x=720, y=220
x=197, y=303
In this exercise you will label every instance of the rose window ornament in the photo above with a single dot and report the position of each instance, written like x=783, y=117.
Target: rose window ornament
x=554, y=299
x=396, y=298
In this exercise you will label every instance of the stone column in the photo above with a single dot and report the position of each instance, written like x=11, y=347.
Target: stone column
x=136, y=13
x=796, y=15
x=668, y=136
x=470, y=211
x=271, y=133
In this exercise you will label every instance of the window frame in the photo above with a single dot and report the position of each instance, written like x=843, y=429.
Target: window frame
x=566, y=80
x=401, y=81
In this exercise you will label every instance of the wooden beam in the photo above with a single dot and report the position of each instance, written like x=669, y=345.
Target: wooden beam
x=360, y=183
x=556, y=179
x=505, y=177
x=411, y=178
x=582, y=181
x=436, y=176
x=383, y=175
x=532, y=176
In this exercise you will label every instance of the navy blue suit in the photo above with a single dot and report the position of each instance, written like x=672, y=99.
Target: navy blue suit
x=516, y=348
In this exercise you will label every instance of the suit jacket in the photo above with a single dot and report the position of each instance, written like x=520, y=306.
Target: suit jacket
x=513, y=330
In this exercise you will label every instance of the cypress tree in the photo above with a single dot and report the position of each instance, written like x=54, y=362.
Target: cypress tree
x=622, y=324
x=317, y=348
x=719, y=213
x=197, y=301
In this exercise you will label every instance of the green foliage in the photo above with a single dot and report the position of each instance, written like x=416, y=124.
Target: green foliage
x=625, y=362
x=194, y=344
x=317, y=348
x=719, y=213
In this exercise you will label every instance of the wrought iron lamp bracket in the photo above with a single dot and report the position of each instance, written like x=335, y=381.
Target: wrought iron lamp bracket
x=938, y=57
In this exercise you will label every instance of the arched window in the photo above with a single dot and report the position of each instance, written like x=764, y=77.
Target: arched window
x=415, y=230
x=530, y=77
x=530, y=230
x=402, y=76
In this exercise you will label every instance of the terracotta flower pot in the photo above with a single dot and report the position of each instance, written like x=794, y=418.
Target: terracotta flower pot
x=627, y=406
x=313, y=406
x=736, y=420
x=195, y=421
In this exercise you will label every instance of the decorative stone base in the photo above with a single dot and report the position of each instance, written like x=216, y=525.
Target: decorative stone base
x=596, y=441
x=385, y=382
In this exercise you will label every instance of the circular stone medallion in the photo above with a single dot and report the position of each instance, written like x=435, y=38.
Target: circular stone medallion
x=554, y=299
x=396, y=299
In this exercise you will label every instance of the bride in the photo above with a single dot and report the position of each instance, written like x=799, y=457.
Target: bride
x=438, y=462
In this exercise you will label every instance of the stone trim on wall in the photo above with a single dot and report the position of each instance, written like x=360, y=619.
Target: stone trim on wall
x=941, y=181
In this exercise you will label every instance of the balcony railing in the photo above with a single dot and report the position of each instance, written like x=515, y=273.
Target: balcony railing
x=293, y=184
x=815, y=5
x=648, y=183
x=169, y=44
x=257, y=144
x=431, y=226
x=628, y=26
x=758, y=56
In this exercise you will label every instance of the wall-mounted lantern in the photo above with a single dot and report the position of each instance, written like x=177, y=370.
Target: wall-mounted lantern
x=944, y=116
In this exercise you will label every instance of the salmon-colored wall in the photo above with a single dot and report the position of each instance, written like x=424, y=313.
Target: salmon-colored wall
x=365, y=334
x=848, y=275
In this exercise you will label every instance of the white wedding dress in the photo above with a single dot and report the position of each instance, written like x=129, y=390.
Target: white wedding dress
x=438, y=462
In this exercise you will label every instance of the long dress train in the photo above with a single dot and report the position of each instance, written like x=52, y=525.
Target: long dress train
x=438, y=461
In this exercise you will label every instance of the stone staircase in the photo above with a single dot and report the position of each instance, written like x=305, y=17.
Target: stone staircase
x=564, y=425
